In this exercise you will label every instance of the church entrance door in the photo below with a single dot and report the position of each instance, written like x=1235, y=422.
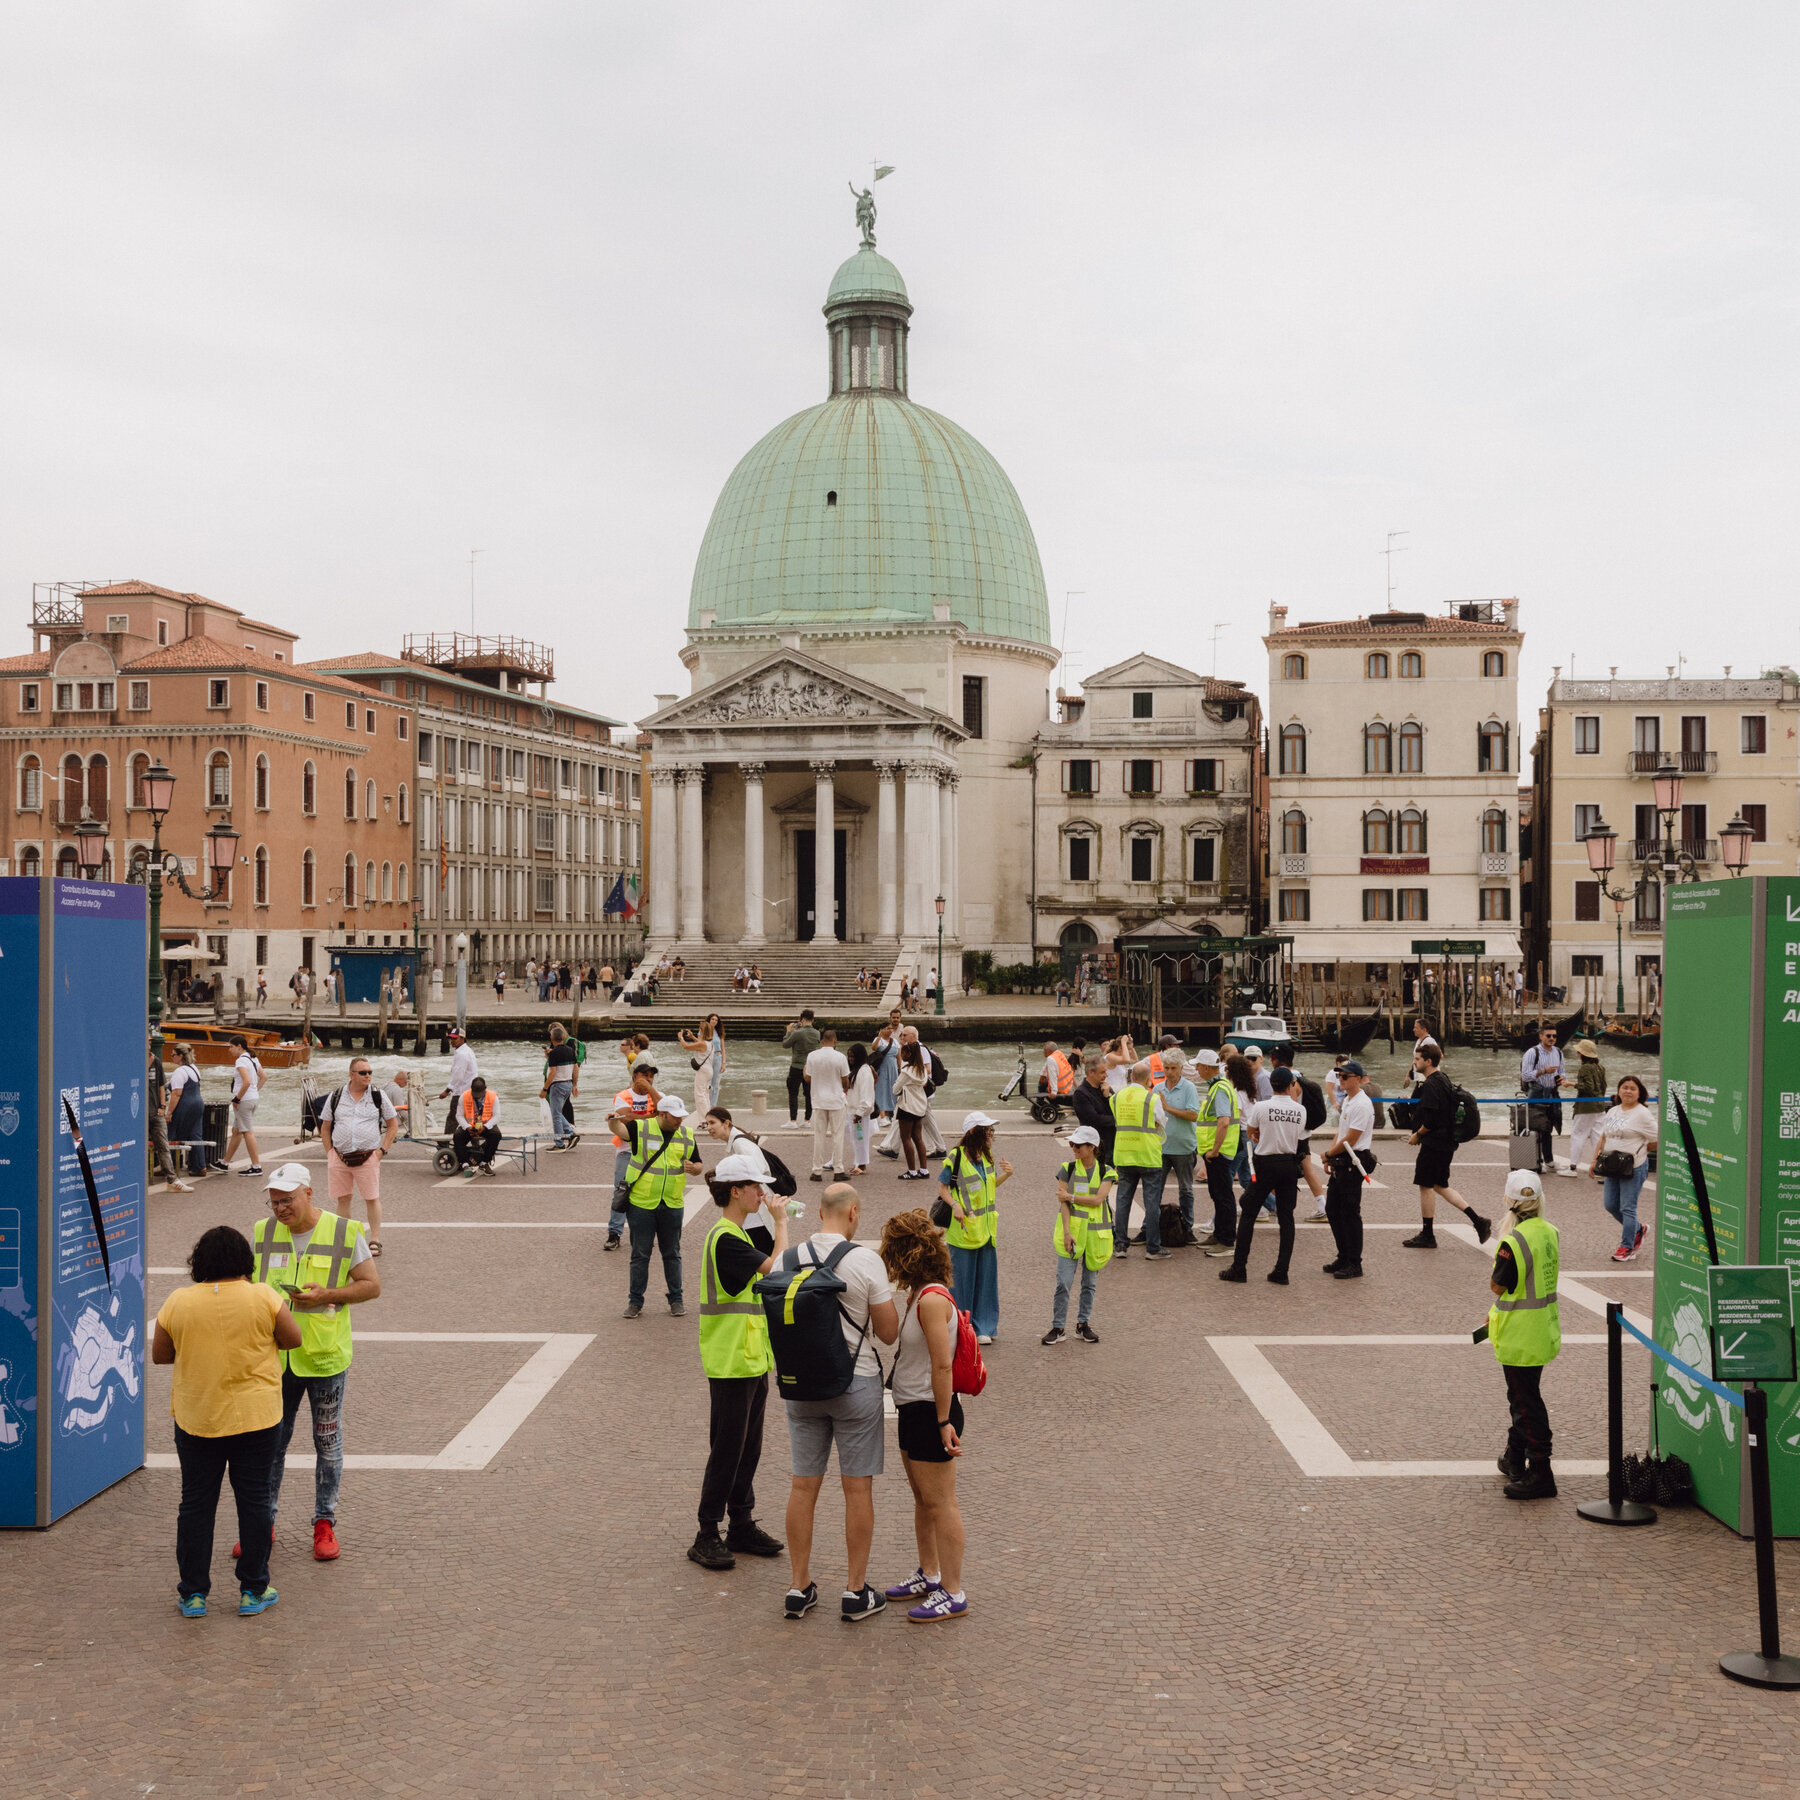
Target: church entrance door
x=806, y=870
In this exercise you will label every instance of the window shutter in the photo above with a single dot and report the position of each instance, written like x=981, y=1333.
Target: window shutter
x=1156, y=782
x=1065, y=777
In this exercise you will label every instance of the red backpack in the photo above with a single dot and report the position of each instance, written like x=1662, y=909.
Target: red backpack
x=968, y=1373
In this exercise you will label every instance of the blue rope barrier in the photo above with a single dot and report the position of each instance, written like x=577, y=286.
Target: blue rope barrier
x=1675, y=1362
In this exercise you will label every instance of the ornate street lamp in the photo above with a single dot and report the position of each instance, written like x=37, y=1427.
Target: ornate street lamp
x=221, y=855
x=1667, y=788
x=940, y=962
x=90, y=845
x=1734, y=845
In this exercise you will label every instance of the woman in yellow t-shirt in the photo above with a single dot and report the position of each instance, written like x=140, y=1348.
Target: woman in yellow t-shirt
x=222, y=1335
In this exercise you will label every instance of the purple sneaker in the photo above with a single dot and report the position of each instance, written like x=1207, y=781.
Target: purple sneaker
x=938, y=1605
x=914, y=1587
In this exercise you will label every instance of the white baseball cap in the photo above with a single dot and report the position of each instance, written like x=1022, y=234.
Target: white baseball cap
x=734, y=1171
x=673, y=1105
x=1253, y=1052
x=289, y=1177
x=975, y=1120
x=1207, y=1059
x=1523, y=1184
x=1084, y=1134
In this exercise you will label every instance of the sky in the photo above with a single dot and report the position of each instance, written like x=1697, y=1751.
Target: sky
x=304, y=303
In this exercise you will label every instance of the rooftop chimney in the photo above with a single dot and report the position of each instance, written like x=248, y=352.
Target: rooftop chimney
x=1277, y=616
x=1510, y=612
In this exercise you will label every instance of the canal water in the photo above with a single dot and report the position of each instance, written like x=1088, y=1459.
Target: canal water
x=514, y=1068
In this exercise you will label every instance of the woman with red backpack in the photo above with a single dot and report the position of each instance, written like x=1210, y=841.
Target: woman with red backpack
x=930, y=1415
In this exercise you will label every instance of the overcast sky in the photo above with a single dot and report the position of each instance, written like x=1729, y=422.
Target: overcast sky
x=303, y=302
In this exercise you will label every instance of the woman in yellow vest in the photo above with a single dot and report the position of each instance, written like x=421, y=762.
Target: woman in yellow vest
x=1526, y=1332
x=735, y=1353
x=969, y=1178
x=656, y=1194
x=1081, y=1233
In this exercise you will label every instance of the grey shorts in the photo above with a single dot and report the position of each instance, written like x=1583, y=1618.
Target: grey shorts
x=854, y=1419
x=243, y=1115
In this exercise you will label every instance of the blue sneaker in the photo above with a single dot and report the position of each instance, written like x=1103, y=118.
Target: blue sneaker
x=193, y=1607
x=938, y=1605
x=915, y=1587
x=255, y=1603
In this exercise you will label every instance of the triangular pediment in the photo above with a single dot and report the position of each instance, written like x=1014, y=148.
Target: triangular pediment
x=1144, y=668
x=790, y=688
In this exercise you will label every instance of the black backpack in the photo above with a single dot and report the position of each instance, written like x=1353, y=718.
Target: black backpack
x=1467, y=1114
x=939, y=1074
x=1313, y=1097
x=1177, y=1234
x=804, y=1304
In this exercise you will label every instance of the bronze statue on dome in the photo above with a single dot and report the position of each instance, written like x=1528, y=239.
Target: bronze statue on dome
x=865, y=214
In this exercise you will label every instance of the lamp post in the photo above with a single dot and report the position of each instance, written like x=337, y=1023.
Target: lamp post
x=1620, y=902
x=462, y=981
x=940, y=962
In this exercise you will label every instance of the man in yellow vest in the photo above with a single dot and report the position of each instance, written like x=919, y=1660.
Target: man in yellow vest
x=1220, y=1124
x=637, y=1101
x=321, y=1264
x=1138, y=1161
x=656, y=1191
x=1526, y=1332
x=734, y=1352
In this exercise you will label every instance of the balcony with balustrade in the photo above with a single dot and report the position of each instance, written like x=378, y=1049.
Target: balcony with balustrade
x=1673, y=762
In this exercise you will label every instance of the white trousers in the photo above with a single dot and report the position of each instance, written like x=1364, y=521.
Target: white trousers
x=828, y=1136
x=1584, y=1137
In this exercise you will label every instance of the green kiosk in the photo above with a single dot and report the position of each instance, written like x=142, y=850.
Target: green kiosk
x=1731, y=1054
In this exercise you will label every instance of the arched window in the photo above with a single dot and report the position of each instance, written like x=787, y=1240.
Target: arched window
x=262, y=783
x=404, y=889
x=1378, y=834
x=218, y=779
x=260, y=870
x=1412, y=832
x=31, y=785
x=369, y=888
x=309, y=788
x=1078, y=935
x=1491, y=748
x=65, y=863
x=1412, y=666
x=72, y=784
x=30, y=863
x=1293, y=833
x=349, y=793
x=1493, y=829
x=1412, y=748
x=369, y=807
x=1378, y=750
x=405, y=805
x=1293, y=750
x=1493, y=662
x=309, y=875
x=1375, y=666
x=1293, y=668
x=140, y=767
x=387, y=881
x=349, y=880
x=98, y=786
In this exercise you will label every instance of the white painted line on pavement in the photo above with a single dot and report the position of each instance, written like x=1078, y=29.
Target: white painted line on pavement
x=1304, y=1436
x=1607, y=1275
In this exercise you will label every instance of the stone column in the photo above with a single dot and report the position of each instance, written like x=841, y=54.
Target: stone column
x=753, y=853
x=887, y=847
x=693, y=888
x=911, y=787
x=947, y=849
x=931, y=874
x=663, y=802
x=824, y=853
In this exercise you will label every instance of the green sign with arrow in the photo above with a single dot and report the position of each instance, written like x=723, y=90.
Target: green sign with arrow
x=1752, y=1322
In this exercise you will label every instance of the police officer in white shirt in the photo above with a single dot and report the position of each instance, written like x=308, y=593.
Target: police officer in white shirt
x=1350, y=1160
x=1275, y=1126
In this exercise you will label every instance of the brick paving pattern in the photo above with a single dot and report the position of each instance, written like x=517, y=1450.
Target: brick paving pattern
x=1161, y=1602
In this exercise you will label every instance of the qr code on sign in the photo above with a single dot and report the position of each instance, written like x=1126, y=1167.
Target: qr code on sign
x=1790, y=1115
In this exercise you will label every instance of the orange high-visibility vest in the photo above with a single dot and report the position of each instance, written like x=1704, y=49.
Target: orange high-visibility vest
x=468, y=1108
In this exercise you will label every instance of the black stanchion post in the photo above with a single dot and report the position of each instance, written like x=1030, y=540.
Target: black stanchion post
x=1766, y=1667
x=1615, y=1509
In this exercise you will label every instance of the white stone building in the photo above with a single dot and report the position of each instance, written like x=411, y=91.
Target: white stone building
x=1393, y=792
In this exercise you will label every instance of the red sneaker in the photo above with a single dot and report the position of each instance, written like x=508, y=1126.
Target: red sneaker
x=325, y=1544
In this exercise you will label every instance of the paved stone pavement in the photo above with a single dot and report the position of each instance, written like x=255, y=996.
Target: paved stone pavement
x=1161, y=1602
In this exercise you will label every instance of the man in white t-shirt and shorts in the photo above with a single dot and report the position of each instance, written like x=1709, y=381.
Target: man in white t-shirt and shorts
x=853, y=1419
x=1349, y=1161
x=826, y=1071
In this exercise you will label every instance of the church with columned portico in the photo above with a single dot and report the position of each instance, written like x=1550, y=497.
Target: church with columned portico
x=869, y=655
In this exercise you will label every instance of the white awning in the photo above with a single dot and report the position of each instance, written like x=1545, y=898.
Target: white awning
x=1367, y=946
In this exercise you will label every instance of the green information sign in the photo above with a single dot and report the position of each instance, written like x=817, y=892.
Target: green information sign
x=1731, y=1055
x=1449, y=946
x=1753, y=1322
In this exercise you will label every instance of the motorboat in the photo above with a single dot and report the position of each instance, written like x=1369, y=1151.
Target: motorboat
x=213, y=1048
x=1262, y=1031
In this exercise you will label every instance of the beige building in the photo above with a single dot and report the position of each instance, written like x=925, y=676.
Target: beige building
x=1146, y=807
x=1393, y=808
x=1599, y=748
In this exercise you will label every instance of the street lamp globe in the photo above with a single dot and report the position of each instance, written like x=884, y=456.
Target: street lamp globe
x=90, y=847
x=1667, y=788
x=159, y=792
x=1602, y=847
x=221, y=848
x=1734, y=844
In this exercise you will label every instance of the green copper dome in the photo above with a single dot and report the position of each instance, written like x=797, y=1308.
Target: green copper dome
x=869, y=509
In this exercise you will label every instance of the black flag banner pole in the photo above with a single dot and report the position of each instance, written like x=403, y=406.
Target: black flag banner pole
x=1699, y=1178
x=93, y=1193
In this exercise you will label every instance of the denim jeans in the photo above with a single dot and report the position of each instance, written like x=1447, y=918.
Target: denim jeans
x=1621, y=1201
x=1065, y=1279
x=1182, y=1168
x=562, y=1112
x=251, y=1457
x=324, y=1395
x=975, y=1281
x=618, y=1223
x=656, y=1227
x=1149, y=1184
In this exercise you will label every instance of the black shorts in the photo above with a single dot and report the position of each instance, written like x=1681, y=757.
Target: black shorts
x=919, y=1435
x=1431, y=1169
